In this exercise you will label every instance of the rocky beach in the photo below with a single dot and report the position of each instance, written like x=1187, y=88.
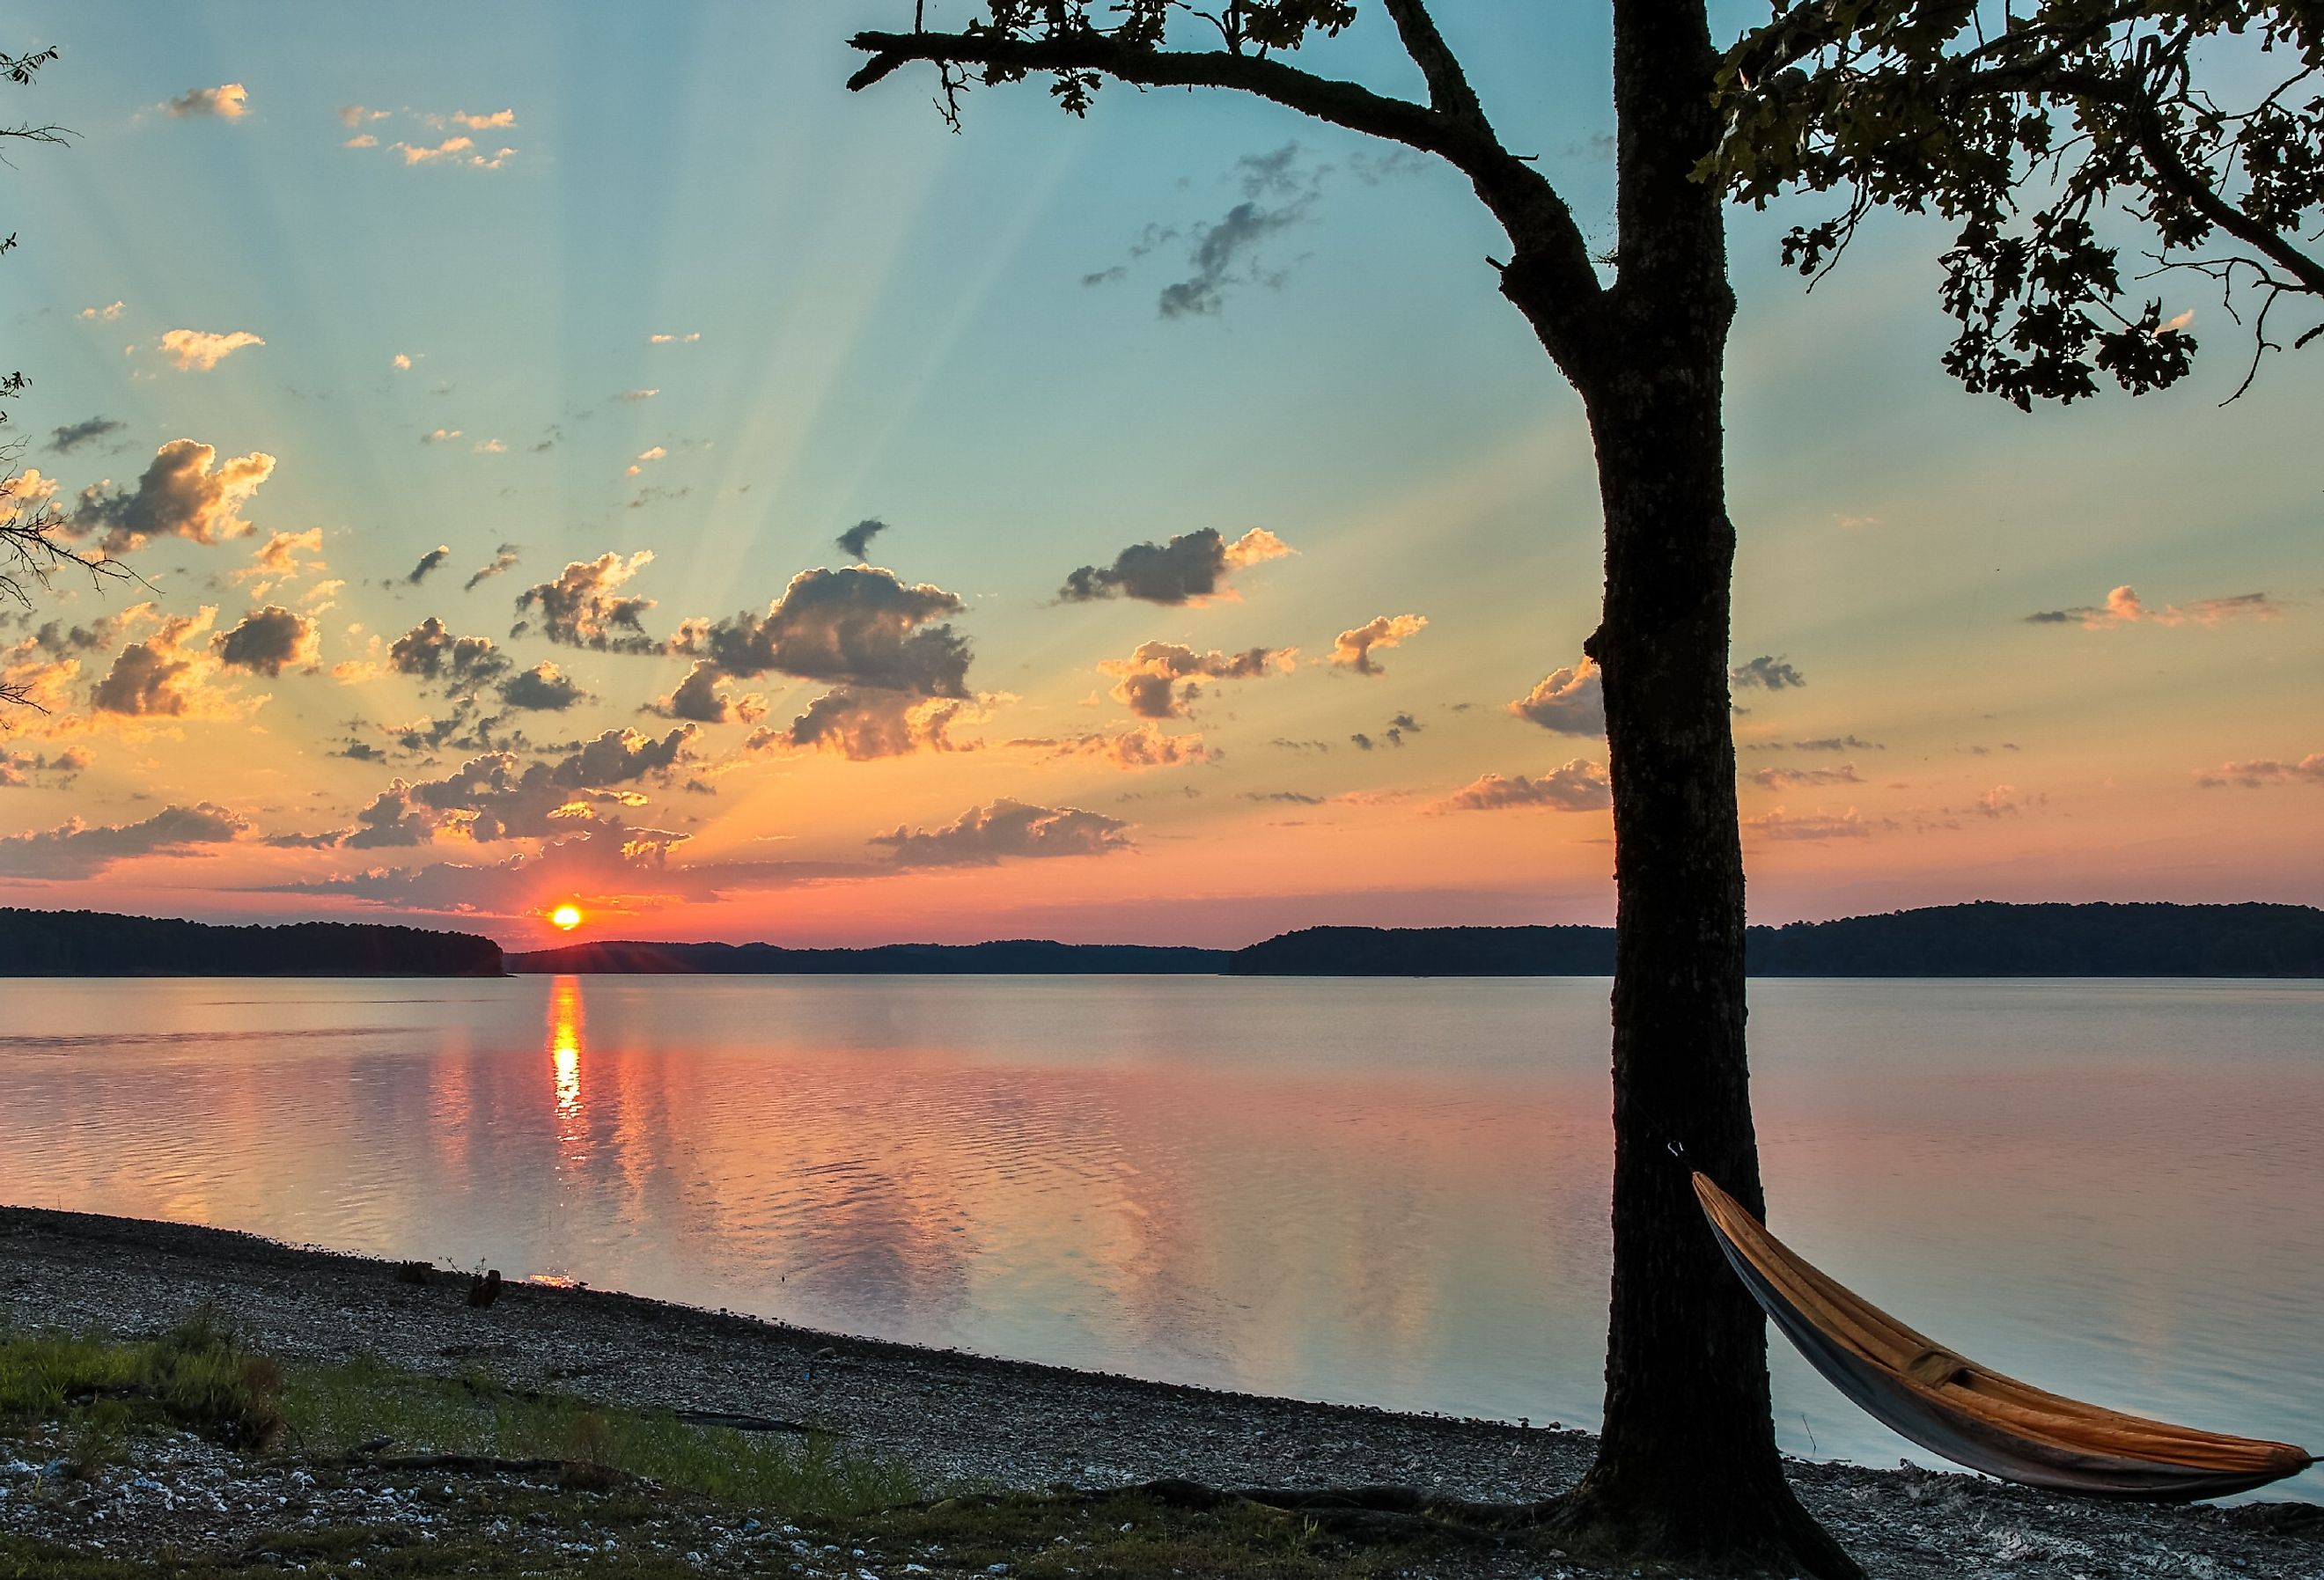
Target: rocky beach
x=950, y=1422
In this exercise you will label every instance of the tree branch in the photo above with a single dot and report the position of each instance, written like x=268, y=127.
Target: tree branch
x=1449, y=93
x=2171, y=168
x=1343, y=104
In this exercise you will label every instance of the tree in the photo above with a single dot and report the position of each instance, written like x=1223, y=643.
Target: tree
x=30, y=553
x=1686, y=1467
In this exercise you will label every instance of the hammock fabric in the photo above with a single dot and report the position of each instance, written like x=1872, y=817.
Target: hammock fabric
x=1971, y=1415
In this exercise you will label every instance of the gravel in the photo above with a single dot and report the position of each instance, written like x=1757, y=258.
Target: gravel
x=957, y=1419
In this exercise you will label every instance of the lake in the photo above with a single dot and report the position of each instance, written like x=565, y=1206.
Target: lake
x=1383, y=1192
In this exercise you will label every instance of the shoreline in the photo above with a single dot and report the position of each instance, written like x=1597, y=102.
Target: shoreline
x=959, y=1419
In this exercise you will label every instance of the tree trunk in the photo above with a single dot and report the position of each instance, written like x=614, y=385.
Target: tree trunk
x=1687, y=1465
x=1687, y=1468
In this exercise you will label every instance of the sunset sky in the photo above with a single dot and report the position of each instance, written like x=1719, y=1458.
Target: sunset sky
x=484, y=398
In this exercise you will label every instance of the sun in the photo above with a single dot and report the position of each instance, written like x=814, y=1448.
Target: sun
x=565, y=918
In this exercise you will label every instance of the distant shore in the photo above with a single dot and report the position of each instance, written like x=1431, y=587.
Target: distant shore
x=1983, y=939
x=959, y=1419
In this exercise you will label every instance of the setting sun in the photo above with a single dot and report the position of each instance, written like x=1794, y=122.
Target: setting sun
x=565, y=918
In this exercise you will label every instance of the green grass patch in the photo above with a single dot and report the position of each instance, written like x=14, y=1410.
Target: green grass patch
x=203, y=1375
x=200, y=1374
x=336, y=1408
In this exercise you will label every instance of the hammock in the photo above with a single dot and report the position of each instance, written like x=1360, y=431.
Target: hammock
x=1971, y=1415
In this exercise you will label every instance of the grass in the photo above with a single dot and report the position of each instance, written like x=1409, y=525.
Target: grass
x=90, y=1397
x=200, y=1374
x=334, y=1409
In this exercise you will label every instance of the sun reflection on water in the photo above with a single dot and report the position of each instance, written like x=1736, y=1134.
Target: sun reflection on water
x=566, y=1023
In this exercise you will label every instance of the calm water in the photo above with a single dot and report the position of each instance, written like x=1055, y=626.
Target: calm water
x=1385, y=1192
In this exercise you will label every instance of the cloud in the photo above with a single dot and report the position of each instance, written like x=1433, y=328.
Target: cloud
x=495, y=120
x=109, y=313
x=228, y=101
x=857, y=539
x=493, y=797
x=1225, y=253
x=1188, y=568
x=17, y=768
x=861, y=724
x=685, y=339
x=354, y=116
x=1161, y=678
x=453, y=151
x=2122, y=606
x=73, y=435
x=1353, y=649
x=268, y=640
x=698, y=698
x=1580, y=786
x=167, y=674
x=1771, y=674
x=1569, y=701
x=441, y=436
x=186, y=492
x=32, y=676
x=542, y=688
x=1139, y=747
x=26, y=491
x=854, y=626
x=400, y=363
x=74, y=849
x=584, y=606
x=278, y=558
x=504, y=560
x=983, y=835
x=428, y=562
x=491, y=447
x=634, y=396
x=1401, y=725
x=1780, y=824
x=199, y=350
x=1821, y=743
x=2000, y=801
x=2260, y=771
x=1362, y=741
x=1777, y=778
x=429, y=652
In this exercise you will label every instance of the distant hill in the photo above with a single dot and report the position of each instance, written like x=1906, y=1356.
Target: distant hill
x=1436, y=951
x=1008, y=957
x=96, y=943
x=1983, y=939
x=1991, y=939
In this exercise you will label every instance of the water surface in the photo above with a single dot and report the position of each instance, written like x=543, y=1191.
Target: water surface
x=1387, y=1192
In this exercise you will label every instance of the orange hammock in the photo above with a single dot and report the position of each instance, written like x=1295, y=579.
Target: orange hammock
x=1971, y=1415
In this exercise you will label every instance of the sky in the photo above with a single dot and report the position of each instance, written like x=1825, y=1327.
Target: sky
x=582, y=455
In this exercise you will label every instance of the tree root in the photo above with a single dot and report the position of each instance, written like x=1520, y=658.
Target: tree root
x=1780, y=1537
